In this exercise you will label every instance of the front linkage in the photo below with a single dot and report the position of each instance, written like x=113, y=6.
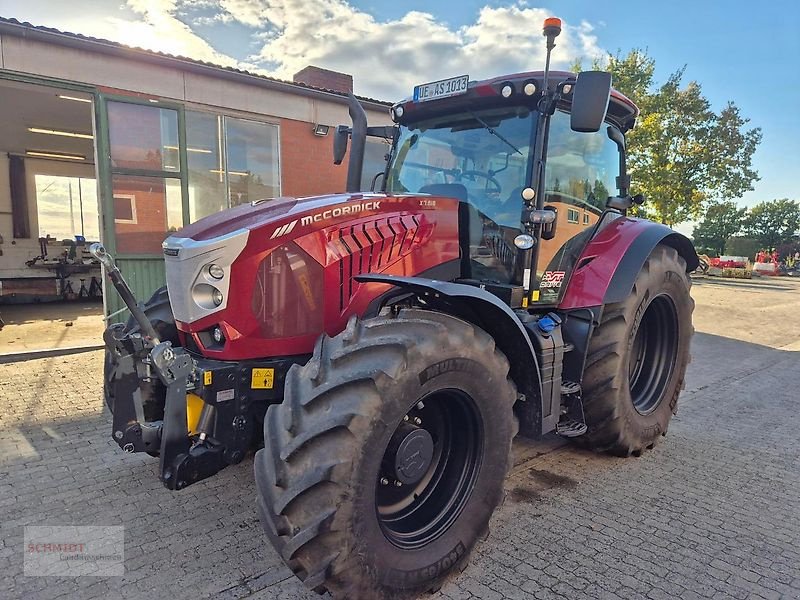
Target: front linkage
x=142, y=359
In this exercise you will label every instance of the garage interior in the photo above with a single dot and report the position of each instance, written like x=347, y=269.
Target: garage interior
x=50, y=287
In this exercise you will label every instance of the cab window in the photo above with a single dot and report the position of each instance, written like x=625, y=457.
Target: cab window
x=581, y=173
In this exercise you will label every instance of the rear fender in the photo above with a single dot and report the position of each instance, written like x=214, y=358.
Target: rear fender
x=609, y=264
x=488, y=312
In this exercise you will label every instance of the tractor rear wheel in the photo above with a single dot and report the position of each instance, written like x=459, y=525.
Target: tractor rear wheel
x=386, y=459
x=637, y=359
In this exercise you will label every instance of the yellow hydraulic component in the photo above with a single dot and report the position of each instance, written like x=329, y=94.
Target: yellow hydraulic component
x=194, y=404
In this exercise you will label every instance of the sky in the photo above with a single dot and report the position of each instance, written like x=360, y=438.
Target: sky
x=740, y=51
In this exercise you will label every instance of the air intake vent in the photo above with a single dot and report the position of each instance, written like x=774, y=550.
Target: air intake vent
x=370, y=248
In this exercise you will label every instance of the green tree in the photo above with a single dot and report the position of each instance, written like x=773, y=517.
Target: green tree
x=773, y=223
x=742, y=246
x=722, y=220
x=681, y=154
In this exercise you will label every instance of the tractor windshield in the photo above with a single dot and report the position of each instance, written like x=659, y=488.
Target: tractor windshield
x=480, y=158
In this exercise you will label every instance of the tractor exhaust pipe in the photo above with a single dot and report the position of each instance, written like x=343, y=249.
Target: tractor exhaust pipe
x=359, y=142
x=123, y=289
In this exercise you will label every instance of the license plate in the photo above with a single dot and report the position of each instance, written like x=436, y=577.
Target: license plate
x=441, y=89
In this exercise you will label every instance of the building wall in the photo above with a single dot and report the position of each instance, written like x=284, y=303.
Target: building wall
x=121, y=74
x=307, y=161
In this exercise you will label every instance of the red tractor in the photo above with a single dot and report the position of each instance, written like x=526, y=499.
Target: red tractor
x=386, y=347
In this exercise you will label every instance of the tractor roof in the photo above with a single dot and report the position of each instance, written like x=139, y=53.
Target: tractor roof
x=486, y=93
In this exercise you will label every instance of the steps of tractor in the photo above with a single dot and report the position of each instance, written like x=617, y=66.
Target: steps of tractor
x=570, y=428
x=570, y=387
x=572, y=422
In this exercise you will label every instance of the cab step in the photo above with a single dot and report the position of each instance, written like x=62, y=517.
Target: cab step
x=569, y=428
x=569, y=388
x=572, y=422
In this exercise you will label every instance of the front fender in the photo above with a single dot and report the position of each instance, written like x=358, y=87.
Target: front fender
x=488, y=312
x=609, y=264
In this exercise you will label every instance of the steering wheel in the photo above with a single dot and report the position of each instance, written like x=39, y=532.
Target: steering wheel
x=486, y=176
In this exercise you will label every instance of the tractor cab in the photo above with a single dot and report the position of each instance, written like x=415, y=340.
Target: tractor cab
x=486, y=144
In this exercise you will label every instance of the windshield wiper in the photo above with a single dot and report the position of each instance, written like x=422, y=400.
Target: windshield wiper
x=494, y=133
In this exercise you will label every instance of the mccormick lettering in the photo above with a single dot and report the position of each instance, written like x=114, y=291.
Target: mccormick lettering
x=347, y=209
x=552, y=279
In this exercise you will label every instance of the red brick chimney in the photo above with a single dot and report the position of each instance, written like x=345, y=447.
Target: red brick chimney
x=324, y=79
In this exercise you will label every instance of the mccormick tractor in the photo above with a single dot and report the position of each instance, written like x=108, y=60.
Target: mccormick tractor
x=383, y=348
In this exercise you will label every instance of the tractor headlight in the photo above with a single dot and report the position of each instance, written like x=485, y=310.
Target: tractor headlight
x=529, y=88
x=524, y=241
x=216, y=296
x=217, y=335
x=216, y=271
x=506, y=90
x=397, y=112
x=207, y=296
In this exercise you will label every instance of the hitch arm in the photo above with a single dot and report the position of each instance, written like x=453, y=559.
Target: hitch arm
x=123, y=289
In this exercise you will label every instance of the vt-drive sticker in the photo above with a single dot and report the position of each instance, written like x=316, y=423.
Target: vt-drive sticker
x=552, y=279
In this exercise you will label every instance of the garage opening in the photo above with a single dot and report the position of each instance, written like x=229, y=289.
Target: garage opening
x=50, y=286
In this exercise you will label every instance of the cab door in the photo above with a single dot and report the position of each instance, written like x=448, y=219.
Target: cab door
x=581, y=173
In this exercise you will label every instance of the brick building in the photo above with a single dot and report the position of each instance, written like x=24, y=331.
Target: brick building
x=103, y=141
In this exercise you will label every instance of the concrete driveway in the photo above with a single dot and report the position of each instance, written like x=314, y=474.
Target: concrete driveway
x=712, y=512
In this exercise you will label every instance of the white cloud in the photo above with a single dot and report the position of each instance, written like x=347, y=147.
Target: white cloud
x=388, y=57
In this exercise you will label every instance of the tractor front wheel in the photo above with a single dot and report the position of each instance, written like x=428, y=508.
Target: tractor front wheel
x=637, y=359
x=386, y=459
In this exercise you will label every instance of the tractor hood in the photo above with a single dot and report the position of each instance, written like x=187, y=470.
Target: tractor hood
x=261, y=212
x=266, y=278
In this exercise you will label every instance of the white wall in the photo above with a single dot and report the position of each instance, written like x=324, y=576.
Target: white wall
x=39, y=58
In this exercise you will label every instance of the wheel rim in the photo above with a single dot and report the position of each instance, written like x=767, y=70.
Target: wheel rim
x=416, y=499
x=653, y=354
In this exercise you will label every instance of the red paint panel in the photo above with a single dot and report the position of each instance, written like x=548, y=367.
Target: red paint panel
x=588, y=283
x=397, y=236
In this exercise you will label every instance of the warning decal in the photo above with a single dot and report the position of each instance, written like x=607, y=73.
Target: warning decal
x=262, y=379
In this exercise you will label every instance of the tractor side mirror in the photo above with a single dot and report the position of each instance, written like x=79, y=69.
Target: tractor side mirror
x=340, y=138
x=590, y=101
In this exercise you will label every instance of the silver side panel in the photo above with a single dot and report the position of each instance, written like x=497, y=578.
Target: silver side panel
x=187, y=263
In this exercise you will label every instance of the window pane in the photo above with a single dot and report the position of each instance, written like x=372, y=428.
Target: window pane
x=143, y=137
x=67, y=206
x=581, y=167
x=581, y=174
x=252, y=160
x=149, y=208
x=374, y=162
x=207, y=193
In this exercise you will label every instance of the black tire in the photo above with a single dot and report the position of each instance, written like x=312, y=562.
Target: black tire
x=320, y=491
x=637, y=359
x=159, y=312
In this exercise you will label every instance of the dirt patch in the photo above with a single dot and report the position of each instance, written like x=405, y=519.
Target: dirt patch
x=522, y=494
x=552, y=480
